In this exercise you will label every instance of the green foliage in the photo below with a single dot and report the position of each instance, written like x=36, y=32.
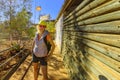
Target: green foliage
x=19, y=23
x=31, y=32
x=51, y=26
x=16, y=16
x=16, y=47
x=1, y=27
x=22, y=18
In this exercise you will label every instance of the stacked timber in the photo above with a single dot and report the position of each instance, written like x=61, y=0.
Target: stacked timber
x=91, y=40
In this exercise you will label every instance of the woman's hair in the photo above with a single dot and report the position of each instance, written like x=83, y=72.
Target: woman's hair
x=38, y=28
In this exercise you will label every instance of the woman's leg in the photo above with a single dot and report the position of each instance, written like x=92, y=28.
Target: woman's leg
x=35, y=65
x=44, y=72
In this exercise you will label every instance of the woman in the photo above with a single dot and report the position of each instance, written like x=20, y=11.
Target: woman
x=40, y=52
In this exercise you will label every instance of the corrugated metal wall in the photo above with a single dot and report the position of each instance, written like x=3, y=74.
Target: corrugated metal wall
x=91, y=40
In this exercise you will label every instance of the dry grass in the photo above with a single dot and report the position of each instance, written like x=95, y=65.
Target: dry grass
x=4, y=44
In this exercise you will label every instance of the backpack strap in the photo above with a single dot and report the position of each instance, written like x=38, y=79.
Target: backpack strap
x=48, y=45
x=45, y=40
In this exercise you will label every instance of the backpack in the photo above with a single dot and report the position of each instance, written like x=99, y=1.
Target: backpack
x=47, y=43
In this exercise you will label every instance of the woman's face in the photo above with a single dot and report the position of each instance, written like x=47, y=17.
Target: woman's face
x=41, y=28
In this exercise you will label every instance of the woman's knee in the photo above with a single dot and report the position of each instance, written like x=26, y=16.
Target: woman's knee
x=35, y=65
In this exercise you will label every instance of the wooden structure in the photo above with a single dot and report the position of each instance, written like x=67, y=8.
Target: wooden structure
x=89, y=38
x=7, y=67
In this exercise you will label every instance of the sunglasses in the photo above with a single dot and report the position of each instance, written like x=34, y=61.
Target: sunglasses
x=42, y=26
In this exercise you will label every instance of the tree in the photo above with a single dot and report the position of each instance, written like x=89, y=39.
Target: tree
x=51, y=26
x=15, y=14
x=19, y=23
x=31, y=32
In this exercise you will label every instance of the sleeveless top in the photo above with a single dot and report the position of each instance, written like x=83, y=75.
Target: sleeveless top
x=40, y=48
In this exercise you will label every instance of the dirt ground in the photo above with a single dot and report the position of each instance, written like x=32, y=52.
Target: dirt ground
x=56, y=69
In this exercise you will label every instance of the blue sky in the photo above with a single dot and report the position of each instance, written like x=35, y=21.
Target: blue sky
x=51, y=7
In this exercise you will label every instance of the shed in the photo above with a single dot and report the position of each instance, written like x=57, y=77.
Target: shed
x=88, y=35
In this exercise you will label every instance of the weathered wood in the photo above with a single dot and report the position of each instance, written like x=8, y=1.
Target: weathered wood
x=107, y=71
x=1, y=52
x=75, y=68
x=9, y=59
x=99, y=19
x=97, y=70
x=89, y=72
x=102, y=48
x=104, y=59
x=112, y=40
x=106, y=4
x=83, y=4
x=26, y=71
x=90, y=6
x=109, y=27
x=112, y=52
x=96, y=12
x=90, y=66
x=91, y=40
x=11, y=72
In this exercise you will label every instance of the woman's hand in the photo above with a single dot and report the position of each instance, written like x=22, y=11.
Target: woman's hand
x=48, y=57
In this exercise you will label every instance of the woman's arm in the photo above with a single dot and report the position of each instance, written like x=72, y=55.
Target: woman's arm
x=33, y=43
x=52, y=45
